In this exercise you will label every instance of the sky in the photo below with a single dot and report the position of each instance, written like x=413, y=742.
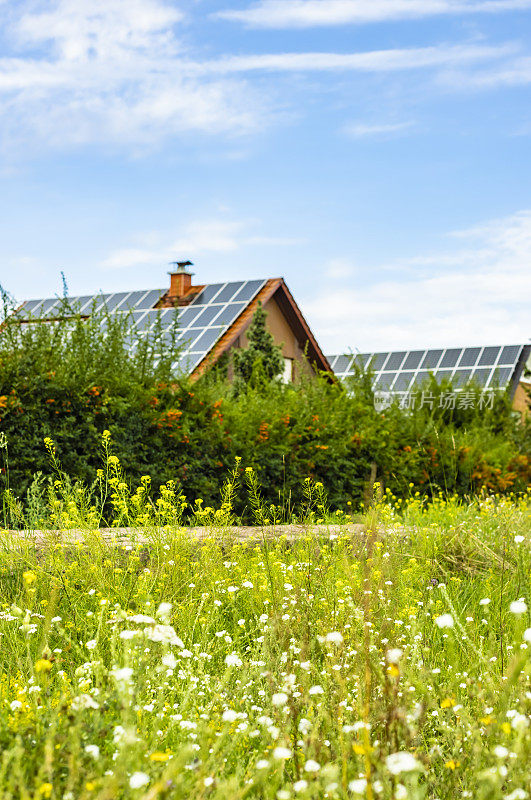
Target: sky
x=374, y=153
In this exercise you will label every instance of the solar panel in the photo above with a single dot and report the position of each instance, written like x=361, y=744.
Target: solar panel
x=228, y=292
x=431, y=359
x=343, y=363
x=450, y=357
x=413, y=359
x=403, y=381
x=402, y=371
x=377, y=360
x=248, y=291
x=206, y=317
x=394, y=361
x=469, y=356
x=489, y=356
x=385, y=380
x=207, y=294
x=510, y=354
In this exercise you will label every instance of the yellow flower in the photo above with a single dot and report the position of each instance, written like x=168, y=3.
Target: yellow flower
x=488, y=720
x=393, y=670
x=448, y=702
x=452, y=764
x=43, y=665
x=158, y=756
x=506, y=727
x=45, y=790
x=29, y=578
x=90, y=786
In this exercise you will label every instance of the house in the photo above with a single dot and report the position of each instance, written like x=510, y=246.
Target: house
x=213, y=318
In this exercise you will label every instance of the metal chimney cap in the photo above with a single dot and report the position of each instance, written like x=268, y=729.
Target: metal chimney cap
x=181, y=265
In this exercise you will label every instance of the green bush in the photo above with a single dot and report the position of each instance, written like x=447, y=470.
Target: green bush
x=72, y=380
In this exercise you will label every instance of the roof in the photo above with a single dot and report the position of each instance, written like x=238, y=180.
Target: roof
x=209, y=323
x=402, y=371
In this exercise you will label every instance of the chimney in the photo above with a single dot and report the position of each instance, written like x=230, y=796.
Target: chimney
x=180, y=280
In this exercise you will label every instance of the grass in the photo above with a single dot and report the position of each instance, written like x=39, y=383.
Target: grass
x=390, y=665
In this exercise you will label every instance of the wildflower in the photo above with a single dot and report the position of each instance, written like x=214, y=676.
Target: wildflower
x=279, y=699
x=122, y=675
x=127, y=635
x=159, y=757
x=233, y=660
x=358, y=786
x=15, y=705
x=518, y=794
x=527, y=635
x=451, y=764
x=394, y=655
x=312, y=766
x=281, y=753
x=93, y=750
x=165, y=634
x=208, y=781
x=29, y=578
x=262, y=764
x=138, y=779
x=45, y=790
x=91, y=644
x=248, y=585
x=334, y=637
x=401, y=792
x=43, y=665
x=229, y=715
x=139, y=618
x=500, y=751
x=445, y=621
x=485, y=601
x=304, y=726
x=518, y=607
x=169, y=660
x=316, y=690
x=519, y=722
x=83, y=701
x=164, y=611
x=300, y=786
x=402, y=762
x=519, y=539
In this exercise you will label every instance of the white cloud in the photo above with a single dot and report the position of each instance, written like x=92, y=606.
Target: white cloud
x=310, y=13
x=479, y=294
x=360, y=130
x=391, y=60
x=86, y=71
x=511, y=72
x=196, y=238
x=117, y=72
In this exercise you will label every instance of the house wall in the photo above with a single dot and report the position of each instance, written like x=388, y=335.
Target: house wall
x=521, y=399
x=283, y=335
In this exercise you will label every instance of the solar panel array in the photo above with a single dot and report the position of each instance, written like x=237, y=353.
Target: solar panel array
x=201, y=323
x=405, y=370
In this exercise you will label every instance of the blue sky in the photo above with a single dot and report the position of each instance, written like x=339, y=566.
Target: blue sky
x=375, y=153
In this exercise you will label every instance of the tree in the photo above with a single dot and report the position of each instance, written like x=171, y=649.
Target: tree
x=262, y=360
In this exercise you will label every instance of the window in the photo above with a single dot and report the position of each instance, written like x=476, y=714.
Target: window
x=287, y=375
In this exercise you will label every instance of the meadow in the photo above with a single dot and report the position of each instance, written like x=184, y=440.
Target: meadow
x=388, y=664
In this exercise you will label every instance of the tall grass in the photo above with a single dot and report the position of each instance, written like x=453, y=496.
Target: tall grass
x=390, y=664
